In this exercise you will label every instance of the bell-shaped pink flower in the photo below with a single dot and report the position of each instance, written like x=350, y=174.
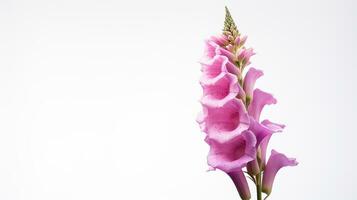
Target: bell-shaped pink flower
x=241, y=184
x=218, y=93
x=214, y=69
x=273, y=128
x=232, y=155
x=262, y=131
x=224, y=123
x=276, y=162
x=250, y=79
x=260, y=99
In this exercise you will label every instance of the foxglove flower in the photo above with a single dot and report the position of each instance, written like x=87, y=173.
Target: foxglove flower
x=223, y=124
x=276, y=162
x=233, y=155
x=241, y=184
x=231, y=110
x=250, y=79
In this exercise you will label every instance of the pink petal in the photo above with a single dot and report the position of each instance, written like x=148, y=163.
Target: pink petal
x=218, y=93
x=233, y=155
x=274, y=128
x=200, y=119
x=226, y=122
x=237, y=41
x=250, y=79
x=221, y=40
x=260, y=99
x=262, y=131
x=226, y=53
x=241, y=184
x=276, y=162
x=243, y=40
x=253, y=167
x=212, y=69
x=210, y=49
x=244, y=55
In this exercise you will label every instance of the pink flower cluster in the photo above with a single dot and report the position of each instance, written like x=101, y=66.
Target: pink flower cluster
x=230, y=118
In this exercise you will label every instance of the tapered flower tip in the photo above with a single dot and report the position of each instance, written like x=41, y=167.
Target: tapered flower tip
x=227, y=122
x=233, y=155
x=260, y=99
x=229, y=25
x=276, y=162
x=215, y=68
x=220, y=92
x=250, y=79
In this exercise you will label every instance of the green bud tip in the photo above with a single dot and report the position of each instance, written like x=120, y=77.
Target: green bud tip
x=229, y=25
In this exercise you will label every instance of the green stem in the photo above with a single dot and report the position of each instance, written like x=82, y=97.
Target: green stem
x=259, y=186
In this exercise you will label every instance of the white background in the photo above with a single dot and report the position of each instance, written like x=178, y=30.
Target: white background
x=98, y=99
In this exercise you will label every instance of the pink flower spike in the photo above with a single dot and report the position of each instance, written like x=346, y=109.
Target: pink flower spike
x=232, y=156
x=231, y=112
x=220, y=92
x=250, y=79
x=260, y=99
x=227, y=122
x=241, y=184
x=276, y=162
